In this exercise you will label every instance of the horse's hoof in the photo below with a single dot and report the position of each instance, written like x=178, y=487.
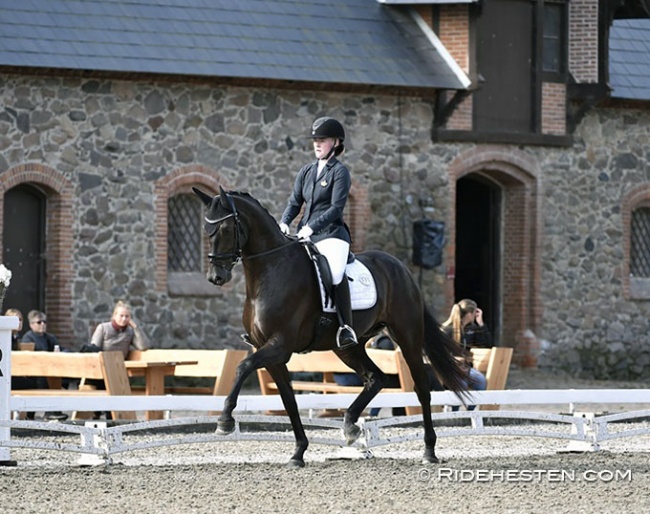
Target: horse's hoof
x=296, y=463
x=225, y=427
x=351, y=433
x=430, y=458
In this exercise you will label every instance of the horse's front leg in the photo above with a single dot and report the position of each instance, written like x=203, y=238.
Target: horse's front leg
x=281, y=377
x=226, y=422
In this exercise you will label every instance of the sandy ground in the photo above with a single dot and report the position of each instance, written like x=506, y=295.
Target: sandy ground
x=497, y=474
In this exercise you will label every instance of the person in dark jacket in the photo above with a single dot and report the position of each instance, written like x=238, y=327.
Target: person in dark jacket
x=466, y=327
x=43, y=342
x=323, y=187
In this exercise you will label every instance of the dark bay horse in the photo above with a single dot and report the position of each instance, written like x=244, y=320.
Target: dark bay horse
x=283, y=309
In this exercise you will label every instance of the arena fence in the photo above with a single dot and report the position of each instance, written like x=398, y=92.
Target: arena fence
x=98, y=442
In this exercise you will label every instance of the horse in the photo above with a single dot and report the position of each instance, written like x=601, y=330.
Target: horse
x=283, y=311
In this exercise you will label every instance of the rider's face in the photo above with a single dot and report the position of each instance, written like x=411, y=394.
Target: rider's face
x=322, y=146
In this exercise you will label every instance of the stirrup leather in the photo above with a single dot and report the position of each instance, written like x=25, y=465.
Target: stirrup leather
x=350, y=331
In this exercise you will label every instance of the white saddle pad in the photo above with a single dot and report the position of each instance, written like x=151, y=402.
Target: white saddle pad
x=363, y=292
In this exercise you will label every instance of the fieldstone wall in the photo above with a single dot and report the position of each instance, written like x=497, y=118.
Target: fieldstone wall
x=114, y=140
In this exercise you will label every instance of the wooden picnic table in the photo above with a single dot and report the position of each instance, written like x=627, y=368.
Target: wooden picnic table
x=154, y=373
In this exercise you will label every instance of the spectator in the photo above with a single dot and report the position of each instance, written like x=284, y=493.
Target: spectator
x=15, y=334
x=118, y=334
x=43, y=342
x=465, y=325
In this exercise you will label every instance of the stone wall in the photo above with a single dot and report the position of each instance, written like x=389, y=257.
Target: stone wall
x=116, y=141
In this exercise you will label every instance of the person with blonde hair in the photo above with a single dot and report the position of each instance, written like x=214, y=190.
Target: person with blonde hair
x=120, y=333
x=466, y=327
x=15, y=334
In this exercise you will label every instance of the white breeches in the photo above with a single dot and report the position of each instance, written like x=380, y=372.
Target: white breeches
x=336, y=252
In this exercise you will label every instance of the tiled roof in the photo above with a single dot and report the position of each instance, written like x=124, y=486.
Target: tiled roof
x=629, y=59
x=327, y=41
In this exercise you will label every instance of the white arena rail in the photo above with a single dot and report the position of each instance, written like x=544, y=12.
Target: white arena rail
x=98, y=442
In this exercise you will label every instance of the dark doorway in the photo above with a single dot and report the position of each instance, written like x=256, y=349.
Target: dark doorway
x=23, y=248
x=478, y=243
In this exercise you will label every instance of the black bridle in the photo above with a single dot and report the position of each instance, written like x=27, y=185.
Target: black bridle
x=235, y=255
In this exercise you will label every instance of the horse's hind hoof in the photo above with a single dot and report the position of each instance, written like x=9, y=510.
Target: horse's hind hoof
x=225, y=427
x=296, y=463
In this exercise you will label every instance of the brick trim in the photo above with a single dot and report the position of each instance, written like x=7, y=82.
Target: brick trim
x=178, y=181
x=638, y=196
x=519, y=177
x=59, y=241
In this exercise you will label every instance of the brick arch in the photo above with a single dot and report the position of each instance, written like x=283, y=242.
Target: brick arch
x=179, y=181
x=517, y=174
x=58, y=240
x=638, y=196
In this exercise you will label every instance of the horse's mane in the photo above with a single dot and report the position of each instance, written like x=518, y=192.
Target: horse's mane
x=246, y=196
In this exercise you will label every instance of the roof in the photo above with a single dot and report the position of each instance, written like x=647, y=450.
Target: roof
x=328, y=41
x=629, y=59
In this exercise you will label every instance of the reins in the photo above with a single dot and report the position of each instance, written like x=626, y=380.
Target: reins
x=268, y=252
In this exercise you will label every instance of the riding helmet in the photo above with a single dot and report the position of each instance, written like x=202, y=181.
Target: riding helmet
x=327, y=127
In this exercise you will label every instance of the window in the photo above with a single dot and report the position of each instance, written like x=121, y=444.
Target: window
x=184, y=234
x=640, y=243
x=554, y=47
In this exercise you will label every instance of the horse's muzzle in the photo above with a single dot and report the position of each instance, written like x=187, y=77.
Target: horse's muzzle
x=219, y=275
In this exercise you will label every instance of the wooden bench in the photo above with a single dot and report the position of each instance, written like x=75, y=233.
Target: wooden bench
x=108, y=366
x=220, y=365
x=494, y=363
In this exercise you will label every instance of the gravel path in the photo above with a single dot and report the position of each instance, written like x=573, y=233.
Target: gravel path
x=499, y=474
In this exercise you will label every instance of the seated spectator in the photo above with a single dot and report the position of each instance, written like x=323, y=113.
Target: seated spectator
x=118, y=334
x=43, y=342
x=465, y=325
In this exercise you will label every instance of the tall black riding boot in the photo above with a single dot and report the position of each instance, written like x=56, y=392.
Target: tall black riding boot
x=345, y=336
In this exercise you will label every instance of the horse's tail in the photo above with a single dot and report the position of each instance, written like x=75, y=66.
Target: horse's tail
x=442, y=352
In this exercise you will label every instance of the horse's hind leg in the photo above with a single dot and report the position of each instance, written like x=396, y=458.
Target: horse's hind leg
x=373, y=381
x=414, y=359
x=280, y=376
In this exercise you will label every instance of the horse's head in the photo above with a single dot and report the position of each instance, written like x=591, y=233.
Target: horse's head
x=223, y=225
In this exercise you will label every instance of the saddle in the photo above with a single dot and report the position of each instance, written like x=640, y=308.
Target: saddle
x=363, y=293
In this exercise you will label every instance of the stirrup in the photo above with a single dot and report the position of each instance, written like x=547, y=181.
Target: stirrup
x=350, y=330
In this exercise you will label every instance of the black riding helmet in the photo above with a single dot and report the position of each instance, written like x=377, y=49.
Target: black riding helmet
x=329, y=127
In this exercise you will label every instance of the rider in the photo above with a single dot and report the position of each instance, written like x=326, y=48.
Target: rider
x=323, y=186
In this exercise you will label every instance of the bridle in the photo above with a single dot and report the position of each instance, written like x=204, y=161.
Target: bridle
x=235, y=255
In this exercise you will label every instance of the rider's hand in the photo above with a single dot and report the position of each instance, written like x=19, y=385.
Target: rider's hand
x=305, y=232
x=284, y=228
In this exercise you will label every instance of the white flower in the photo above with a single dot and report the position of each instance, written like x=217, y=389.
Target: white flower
x=5, y=276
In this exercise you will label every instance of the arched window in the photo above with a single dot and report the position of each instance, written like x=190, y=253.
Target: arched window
x=184, y=234
x=640, y=243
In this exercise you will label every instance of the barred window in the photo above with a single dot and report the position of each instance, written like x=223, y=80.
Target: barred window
x=184, y=233
x=640, y=243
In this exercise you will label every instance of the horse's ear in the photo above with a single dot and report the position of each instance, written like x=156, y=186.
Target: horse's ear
x=222, y=192
x=205, y=198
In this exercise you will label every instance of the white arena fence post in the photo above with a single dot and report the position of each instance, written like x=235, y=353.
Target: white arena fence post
x=7, y=324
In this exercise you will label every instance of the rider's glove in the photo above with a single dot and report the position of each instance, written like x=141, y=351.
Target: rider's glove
x=284, y=228
x=305, y=232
